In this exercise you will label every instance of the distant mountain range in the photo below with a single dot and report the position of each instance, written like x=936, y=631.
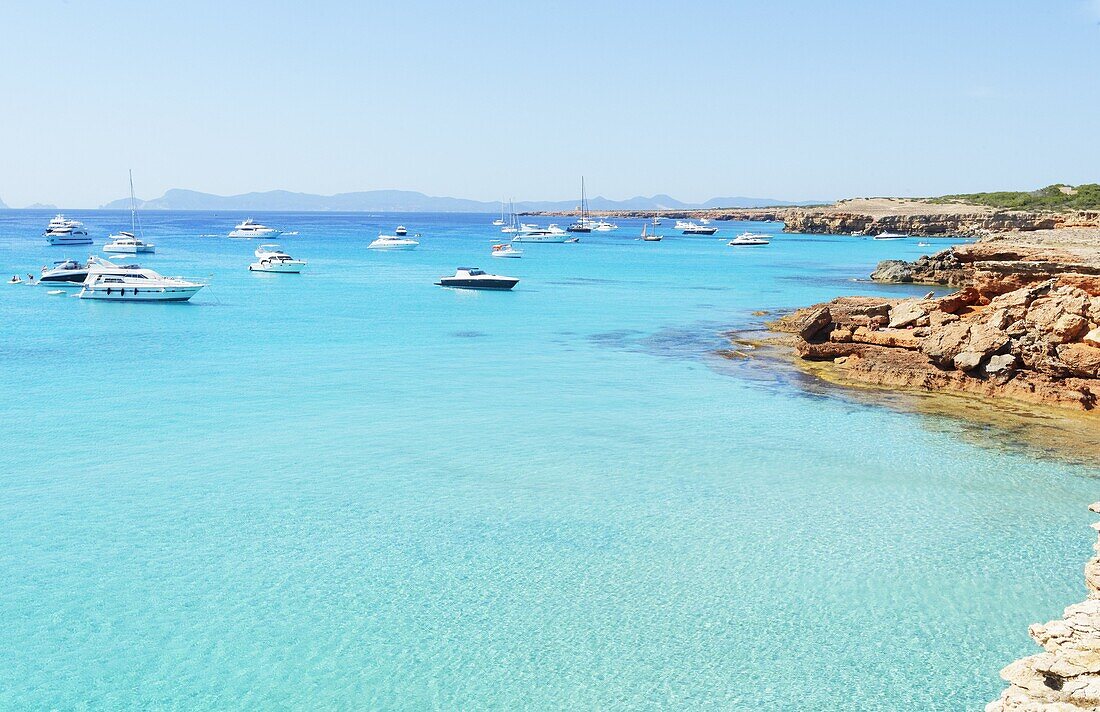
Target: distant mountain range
x=406, y=201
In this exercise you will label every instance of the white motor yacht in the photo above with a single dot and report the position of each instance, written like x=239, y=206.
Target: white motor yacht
x=122, y=283
x=401, y=231
x=250, y=229
x=604, y=226
x=506, y=250
x=72, y=273
x=474, y=278
x=749, y=239
x=534, y=233
x=61, y=231
x=393, y=242
x=890, y=236
x=690, y=228
x=269, y=258
x=126, y=243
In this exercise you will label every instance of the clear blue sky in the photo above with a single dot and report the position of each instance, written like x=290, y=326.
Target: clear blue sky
x=792, y=99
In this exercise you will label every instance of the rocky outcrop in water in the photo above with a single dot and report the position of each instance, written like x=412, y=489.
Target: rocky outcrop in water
x=1066, y=677
x=995, y=268
x=1035, y=344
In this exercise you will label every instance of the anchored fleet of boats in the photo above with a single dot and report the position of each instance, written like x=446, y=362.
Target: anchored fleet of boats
x=102, y=279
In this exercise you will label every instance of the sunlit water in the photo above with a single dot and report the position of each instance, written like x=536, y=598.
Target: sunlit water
x=355, y=489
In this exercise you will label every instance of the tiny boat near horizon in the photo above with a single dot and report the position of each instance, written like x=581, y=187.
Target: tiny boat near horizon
x=250, y=229
x=393, y=242
x=401, y=231
x=476, y=278
x=271, y=259
x=61, y=231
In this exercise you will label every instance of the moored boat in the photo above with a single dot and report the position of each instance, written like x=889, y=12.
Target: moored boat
x=393, y=242
x=269, y=258
x=506, y=250
x=749, y=239
x=250, y=229
x=61, y=231
x=134, y=284
x=476, y=278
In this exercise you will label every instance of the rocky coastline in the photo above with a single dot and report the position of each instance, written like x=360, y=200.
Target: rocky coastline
x=871, y=216
x=1066, y=676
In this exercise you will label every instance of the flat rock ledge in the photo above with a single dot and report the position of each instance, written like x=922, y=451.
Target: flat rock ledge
x=1066, y=677
x=1035, y=344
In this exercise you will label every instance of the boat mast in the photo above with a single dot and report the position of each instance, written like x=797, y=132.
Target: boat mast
x=133, y=212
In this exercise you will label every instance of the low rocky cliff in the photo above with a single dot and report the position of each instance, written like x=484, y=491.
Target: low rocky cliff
x=838, y=222
x=1038, y=344
x=1066, y=677
x=994, y=268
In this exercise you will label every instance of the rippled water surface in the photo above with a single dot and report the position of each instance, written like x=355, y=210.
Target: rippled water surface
x=355, y=489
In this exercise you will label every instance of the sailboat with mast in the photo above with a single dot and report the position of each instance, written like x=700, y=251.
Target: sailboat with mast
x=584, y=222
x=513, y=225
x=128, y=242
x=500, y=221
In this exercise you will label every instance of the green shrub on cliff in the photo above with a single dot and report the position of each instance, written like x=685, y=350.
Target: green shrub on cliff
x=1056, y=197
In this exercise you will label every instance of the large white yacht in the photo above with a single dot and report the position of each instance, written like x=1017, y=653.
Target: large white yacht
x=252, y=229
x=534, y=233
x=393, y=242
x=604, y=226
x=690, y=228
x=130, y=283
x=61, y=231
x=269, y=258
x=126, y=243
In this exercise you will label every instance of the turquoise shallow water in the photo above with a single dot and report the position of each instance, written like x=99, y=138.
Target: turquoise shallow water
x=354, y=489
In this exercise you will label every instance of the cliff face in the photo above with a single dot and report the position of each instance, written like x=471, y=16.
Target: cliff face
x=1066, y=677
x=835, y=222
x=1038, y=344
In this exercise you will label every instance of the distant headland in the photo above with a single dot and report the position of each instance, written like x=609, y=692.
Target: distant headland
x=402, y=201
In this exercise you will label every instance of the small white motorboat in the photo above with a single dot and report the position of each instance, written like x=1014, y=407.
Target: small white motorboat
x=890, y=236
x=604, y=226
x=393, y=242
x=749, y=239
x=401, y=231
x=505, y=249
x=15, y=279
x=474, y=278
x=924, y=244
x=269, y=258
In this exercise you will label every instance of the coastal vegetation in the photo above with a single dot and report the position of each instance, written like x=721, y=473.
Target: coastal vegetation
x=1058, y=197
